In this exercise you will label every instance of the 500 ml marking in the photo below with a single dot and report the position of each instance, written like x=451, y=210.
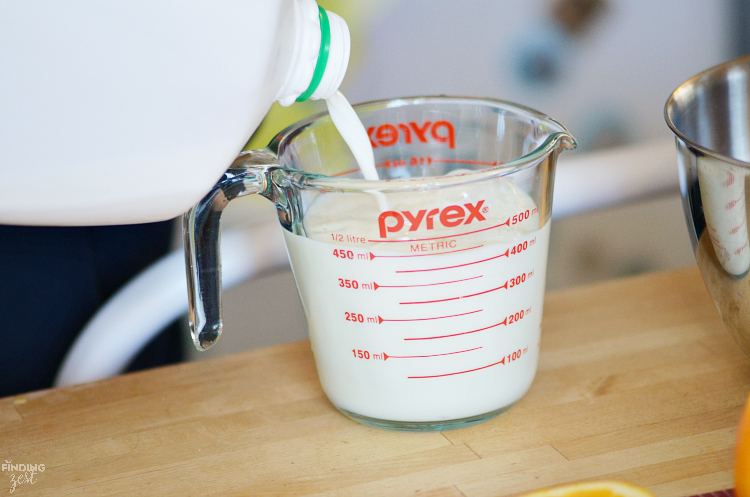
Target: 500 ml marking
x=339, y=237
x=523, y=216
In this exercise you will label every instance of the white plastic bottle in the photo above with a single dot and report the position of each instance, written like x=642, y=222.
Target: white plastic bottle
x=129, y=111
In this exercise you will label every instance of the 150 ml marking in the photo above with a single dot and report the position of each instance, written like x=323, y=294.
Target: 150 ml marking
x=364, y=354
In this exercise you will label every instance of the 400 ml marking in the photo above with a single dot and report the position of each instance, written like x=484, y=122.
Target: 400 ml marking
x=517, y=249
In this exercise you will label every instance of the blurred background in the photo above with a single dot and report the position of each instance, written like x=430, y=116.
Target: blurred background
x=604, y=68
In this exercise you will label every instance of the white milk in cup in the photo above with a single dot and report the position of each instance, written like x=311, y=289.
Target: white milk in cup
x=429, y=311
x=423, y=290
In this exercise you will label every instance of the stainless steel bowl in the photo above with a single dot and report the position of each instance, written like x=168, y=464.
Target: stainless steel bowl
x=710, y=117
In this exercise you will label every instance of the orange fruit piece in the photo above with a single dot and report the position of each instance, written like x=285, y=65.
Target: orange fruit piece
x=742, y=456
x=604, y=488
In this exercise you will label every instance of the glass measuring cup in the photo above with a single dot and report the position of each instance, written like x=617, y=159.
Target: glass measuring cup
x=422, y=291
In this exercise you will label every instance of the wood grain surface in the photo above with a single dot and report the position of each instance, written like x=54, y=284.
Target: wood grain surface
x=638, y=380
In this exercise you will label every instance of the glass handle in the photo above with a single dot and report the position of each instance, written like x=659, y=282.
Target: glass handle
x=201, y=236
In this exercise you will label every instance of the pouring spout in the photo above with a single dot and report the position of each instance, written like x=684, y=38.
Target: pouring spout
x=556, y=137
x=566, y=141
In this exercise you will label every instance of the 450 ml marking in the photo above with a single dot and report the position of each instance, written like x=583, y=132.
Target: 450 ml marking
x=349, y=254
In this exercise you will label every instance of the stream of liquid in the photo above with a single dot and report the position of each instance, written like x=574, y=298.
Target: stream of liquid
x=354, y=134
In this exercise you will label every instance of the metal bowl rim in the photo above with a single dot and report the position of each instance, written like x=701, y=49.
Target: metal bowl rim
x=711, y=73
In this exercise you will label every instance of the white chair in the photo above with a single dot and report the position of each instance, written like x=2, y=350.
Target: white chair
x=155, y=298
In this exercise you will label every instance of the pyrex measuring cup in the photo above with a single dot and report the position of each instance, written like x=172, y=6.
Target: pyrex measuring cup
x=422, y=291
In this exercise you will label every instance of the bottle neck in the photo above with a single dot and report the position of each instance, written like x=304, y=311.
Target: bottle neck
x=321, y=55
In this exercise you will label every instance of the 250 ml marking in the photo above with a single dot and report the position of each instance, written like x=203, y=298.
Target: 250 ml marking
x=356, y=317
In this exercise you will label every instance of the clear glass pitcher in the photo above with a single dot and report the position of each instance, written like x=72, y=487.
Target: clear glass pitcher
x=423, y=291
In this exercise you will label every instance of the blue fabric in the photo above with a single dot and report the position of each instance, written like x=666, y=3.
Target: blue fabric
x=53, y=279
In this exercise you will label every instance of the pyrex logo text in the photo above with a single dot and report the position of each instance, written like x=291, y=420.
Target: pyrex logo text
x=451, y=216
x=387, y=135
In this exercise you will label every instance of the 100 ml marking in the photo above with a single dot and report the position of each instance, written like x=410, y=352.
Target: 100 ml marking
x=516, y=354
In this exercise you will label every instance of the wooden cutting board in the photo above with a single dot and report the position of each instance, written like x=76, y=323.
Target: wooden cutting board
x=638, y=381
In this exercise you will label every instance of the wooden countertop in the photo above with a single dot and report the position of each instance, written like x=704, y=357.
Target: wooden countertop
x=638, y=380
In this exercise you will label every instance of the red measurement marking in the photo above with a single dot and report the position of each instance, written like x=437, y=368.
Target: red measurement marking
x=381, y=320
x=419, y=356
x=344, y=173
x=356, y=170
x=729, y=181
x=457, y=161
x=460, y=161
x=716, y=242
x=461, y=372
x=732, y=204
x=503, y=322
x=505, y=254
x=505, y=286
x=426, y=284
x=734, y=230
x=372, y=256
x=382, y=240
